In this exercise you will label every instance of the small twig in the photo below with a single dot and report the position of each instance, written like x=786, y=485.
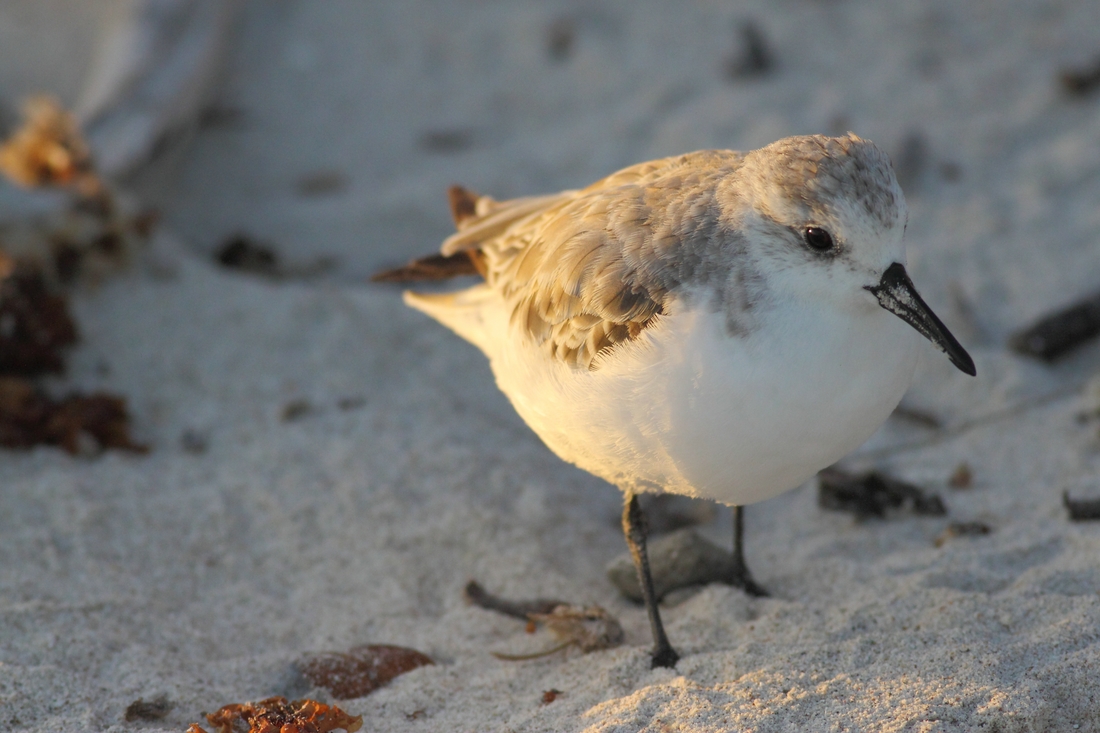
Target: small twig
x=522, y=610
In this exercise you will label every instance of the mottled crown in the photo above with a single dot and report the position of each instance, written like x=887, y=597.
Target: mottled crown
x=805, y=177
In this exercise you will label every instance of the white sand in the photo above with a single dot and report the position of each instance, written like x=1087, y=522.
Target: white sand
x=203, y=576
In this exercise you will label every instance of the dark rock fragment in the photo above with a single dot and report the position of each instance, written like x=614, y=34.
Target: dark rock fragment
x=677, y=560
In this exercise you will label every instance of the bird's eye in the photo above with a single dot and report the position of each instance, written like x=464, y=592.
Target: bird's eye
x=818, y=239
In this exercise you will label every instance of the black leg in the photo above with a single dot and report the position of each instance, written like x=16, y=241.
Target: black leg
x=741, y=577
x=635, y=530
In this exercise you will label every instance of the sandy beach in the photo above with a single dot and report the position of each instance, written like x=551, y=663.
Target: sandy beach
x=329, y=468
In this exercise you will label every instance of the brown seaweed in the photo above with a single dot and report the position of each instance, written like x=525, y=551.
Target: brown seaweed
x=35, y=326
x=77, y=423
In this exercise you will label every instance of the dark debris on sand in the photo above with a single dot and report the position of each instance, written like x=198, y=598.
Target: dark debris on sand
x=1081, y=510
x=872, y=494
x=148, y=710
x=753, y=58
x=1058, y=333
x=241, y=252
x=1081, y=81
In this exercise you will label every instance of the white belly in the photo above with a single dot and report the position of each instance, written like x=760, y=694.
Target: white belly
x=687, y=409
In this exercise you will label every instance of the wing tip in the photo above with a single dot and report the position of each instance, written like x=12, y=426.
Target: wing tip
x=463, y=203
x=432, y=268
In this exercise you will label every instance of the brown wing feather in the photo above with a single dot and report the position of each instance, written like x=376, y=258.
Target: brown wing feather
x=434, y=267
x=463, y=203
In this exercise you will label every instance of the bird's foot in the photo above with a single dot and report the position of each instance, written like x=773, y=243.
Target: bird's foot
x=664, y=657
x=743, y=580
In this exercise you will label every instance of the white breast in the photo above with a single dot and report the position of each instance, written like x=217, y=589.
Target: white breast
x=753, y=418
x=690, y=410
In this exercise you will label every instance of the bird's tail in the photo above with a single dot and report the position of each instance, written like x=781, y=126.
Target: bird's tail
x=465, y=312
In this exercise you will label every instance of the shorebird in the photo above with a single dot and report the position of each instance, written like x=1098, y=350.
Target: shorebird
x=717, y=324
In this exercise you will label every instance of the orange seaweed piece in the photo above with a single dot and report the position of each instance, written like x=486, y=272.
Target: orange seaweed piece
x=48, y=150
x=276, y=715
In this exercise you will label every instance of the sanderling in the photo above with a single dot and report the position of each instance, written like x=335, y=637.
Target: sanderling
x=717, y=324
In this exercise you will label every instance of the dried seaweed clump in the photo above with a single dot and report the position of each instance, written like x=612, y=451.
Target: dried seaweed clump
x=360, y=670
x=96, y=233
x=37, y=258
x=35, y=329
x=276, y=715
x=80, y=424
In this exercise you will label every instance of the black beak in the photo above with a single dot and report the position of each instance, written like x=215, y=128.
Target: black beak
x=897, y=294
